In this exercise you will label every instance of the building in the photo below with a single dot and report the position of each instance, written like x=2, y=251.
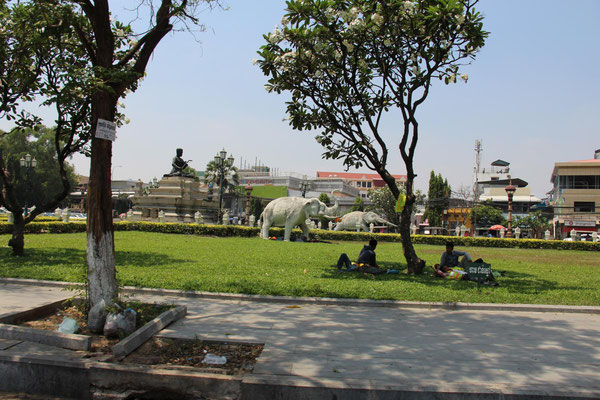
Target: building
x=303, y=186
x=360, y=180
x=121, y=191
x=491, y=184
x=575, y=196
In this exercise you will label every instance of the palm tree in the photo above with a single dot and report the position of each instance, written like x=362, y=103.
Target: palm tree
x=230, y=176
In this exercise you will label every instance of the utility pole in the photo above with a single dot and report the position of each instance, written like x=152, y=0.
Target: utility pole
x=476, y=184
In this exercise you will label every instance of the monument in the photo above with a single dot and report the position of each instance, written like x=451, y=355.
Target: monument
x=179, y=165
x=177, y=197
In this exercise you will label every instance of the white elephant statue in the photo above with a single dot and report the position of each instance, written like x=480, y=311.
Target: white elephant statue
x=352, y=220
x=290, y=212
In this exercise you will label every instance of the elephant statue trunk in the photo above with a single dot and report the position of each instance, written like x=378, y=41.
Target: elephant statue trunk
x=331, y=212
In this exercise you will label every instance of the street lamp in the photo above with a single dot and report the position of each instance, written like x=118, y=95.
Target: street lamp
x=510, y=191
x=223, y=163
x=28, y=163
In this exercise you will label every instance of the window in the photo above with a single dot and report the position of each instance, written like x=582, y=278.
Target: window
x=579, y=181
x=368, y=184
x=584, y=206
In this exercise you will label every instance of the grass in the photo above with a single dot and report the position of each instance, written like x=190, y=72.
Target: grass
x=269, y=192
x=255, y=266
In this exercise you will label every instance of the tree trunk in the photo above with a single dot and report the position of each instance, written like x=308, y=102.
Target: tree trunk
x=101, y=269
x=414, y=264
x=17, y=242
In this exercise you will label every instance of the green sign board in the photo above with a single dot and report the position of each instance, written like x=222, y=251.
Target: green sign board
x=479, y=272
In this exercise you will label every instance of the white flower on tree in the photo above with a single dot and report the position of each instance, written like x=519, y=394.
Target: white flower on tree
x=393, y=50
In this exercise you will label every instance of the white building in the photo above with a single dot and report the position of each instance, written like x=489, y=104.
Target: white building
x=491, y=184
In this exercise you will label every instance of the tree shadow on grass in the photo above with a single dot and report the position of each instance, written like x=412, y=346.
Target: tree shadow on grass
x=517, y=282
x=46, y=256
x=332, y=272
x=146, y=260
x=53, y=256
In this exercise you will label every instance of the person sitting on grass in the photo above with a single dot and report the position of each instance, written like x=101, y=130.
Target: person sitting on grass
x=366, y=262
x=450, y=260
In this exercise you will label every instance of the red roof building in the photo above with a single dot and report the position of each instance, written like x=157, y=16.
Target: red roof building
x=361, y=180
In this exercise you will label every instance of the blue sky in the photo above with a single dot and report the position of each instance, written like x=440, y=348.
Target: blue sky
x=532, y=99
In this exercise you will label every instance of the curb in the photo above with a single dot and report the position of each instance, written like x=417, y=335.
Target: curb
x=56, y=339
x=140, y=336
x=259, y=387
x=331, y=301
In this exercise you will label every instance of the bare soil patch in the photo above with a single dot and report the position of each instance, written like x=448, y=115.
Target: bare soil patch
x=159, y=352
x=100, y=343
x=167, y=353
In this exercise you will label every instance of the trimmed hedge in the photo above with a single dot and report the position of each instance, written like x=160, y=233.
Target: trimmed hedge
x=46, y=227
x=319, y=234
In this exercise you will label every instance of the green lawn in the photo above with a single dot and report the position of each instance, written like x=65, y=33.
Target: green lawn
x=256, y=266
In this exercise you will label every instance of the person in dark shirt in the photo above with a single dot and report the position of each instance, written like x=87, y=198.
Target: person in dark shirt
x=366, y=262
x=367, y=254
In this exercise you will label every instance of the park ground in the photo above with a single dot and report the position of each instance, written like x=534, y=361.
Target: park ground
x=255, y=266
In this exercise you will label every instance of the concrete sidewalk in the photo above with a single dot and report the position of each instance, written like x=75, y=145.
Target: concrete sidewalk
x=321, y=351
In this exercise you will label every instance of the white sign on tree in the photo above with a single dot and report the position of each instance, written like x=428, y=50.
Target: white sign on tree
x=106, y=130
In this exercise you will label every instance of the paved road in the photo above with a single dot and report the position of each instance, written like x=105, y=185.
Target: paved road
x=385, y=348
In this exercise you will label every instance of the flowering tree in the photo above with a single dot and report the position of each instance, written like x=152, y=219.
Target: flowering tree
x=347, y=62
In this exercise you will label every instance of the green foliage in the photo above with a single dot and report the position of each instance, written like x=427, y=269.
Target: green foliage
x=437, y=199
x=37, y=185
x=212, y=176
x=256, y=207
x=61, y=74
x=320, y=234
x=46, y=227
x=384, y=203
x=324, y=198
x=275, y=268
x=122, y=204
x=358, y=205
x=345, y=63
x=22, y=53
x=536, y=221
x=487, y=215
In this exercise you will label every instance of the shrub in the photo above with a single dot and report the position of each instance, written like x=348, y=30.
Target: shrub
x=318, y=234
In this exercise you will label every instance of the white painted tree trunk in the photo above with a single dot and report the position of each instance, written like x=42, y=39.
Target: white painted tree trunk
x=102, y=281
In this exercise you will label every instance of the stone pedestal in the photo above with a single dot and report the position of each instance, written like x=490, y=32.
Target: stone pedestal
x=180, y=198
